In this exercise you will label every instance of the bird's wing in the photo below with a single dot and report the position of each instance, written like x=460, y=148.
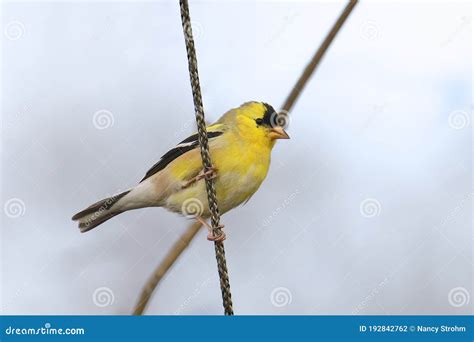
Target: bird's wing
x=188, y=144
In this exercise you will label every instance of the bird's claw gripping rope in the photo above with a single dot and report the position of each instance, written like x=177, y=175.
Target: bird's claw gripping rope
x=211, y=236
x=208, y=174
x=214, y=238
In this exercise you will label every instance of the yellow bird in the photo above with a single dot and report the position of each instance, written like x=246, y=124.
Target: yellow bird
x=240, y=144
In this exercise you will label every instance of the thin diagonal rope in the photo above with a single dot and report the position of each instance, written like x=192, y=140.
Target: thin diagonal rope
x=205, y=155
x=168, y=261
x=318, y=56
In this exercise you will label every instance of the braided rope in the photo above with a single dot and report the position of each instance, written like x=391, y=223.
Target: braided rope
x=206, y=158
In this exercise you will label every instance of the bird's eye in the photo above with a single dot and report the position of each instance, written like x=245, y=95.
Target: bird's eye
x=259, y=121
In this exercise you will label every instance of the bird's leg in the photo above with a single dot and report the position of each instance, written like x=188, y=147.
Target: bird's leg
x=210, y=173
x=211, y=236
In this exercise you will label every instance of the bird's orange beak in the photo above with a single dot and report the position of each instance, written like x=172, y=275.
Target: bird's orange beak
x=278, y=133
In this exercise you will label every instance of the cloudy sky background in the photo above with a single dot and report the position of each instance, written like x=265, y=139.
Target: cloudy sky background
x=366, y=210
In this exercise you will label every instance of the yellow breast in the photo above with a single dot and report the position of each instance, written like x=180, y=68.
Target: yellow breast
x=242, y=165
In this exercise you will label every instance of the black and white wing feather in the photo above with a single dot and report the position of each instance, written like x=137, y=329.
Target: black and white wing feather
x=184, y=146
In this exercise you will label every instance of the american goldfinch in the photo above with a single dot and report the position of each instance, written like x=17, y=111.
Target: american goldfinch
x=240, y=144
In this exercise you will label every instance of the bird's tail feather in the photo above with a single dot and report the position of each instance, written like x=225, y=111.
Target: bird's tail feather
x=99, y=212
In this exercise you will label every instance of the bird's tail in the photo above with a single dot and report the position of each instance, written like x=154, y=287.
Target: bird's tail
x=100, y=212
